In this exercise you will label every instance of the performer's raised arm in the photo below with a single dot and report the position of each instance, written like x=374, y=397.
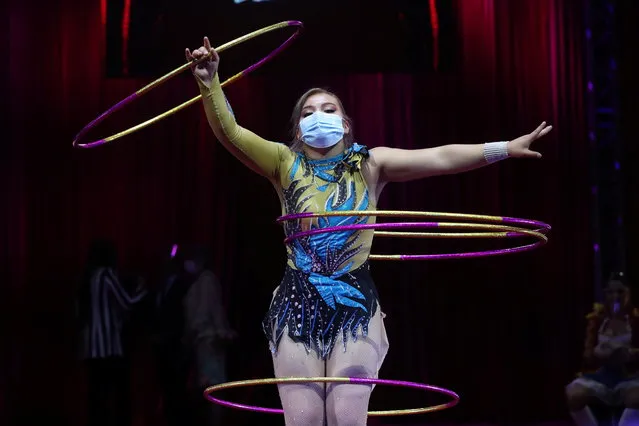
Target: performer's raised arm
x=260, y=155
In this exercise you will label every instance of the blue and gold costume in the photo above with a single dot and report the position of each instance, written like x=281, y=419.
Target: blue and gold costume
x=327, y=290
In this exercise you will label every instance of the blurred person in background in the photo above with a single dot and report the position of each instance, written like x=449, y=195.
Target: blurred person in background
x=611, y=360
x=103, y=308
x=191, y=337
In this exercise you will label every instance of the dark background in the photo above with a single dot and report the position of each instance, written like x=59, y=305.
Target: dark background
x=628, y=34
x=361, y=37
x=503, y=332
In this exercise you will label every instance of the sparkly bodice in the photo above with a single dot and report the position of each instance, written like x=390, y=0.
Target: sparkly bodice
x=332, y=184
x=327, y=290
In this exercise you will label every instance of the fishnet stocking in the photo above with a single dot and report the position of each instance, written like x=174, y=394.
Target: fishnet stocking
x=347, y=405
x=342, y=405
x=304, y=403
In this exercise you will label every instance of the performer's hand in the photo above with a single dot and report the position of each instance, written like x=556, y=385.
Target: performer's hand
x=520, y=147
x=205, y=70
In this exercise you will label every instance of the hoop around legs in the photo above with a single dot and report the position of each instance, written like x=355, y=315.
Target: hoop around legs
x=454, y=398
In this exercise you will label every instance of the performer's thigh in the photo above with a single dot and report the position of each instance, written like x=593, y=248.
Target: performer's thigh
x=347, y=404
x=303, y=403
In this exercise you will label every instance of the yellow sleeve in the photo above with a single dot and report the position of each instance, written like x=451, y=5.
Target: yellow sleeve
x=262, y=156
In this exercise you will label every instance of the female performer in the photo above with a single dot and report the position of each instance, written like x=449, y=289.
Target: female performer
x=325, y=317
x=611, y=360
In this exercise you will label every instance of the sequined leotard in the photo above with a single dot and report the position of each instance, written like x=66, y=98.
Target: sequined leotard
x=327, y=290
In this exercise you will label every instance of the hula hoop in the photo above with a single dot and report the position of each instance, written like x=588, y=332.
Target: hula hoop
x=175, y=72
x=498, y=227
x=344, y=380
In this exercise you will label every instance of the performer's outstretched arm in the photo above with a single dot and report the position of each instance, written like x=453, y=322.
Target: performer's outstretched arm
x=260, y=155
x=399, y=165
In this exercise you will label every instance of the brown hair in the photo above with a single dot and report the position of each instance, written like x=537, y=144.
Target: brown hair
x=296, y=144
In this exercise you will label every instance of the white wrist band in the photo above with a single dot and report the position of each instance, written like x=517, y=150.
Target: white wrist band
x=495, y=151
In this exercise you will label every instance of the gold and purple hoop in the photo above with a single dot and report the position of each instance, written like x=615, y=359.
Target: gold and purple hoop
x=494, y=227
x=454, y=398
x=175, y=72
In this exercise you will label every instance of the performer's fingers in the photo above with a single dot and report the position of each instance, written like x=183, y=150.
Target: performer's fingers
x=214, y=56
x=197, y=54
x=207, y=44
x=539, y=129
x=545, y=131
x=188, y=55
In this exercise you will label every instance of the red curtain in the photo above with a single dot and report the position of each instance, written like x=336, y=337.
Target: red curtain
x=503, y=332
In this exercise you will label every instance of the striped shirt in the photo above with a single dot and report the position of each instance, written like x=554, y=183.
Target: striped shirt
x=109, y=304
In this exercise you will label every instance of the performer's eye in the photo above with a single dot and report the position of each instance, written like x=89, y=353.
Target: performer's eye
x=329, y=111
x=306, y=114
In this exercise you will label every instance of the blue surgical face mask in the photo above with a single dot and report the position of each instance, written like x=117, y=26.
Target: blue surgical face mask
x=322, y=130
